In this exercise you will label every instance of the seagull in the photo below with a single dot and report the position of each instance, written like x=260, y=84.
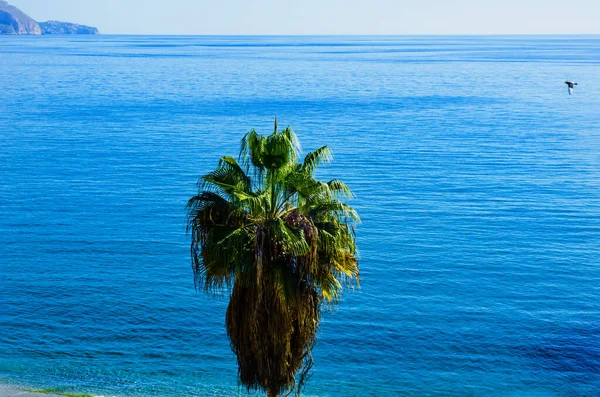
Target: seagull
x=570, y=84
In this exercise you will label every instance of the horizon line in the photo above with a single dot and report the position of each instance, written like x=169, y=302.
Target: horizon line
x=334, y=34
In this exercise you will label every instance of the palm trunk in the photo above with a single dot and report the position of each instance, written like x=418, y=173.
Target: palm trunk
x=271, y=393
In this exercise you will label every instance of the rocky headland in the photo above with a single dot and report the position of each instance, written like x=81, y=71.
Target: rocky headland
x=15, y=21
x=56, y=27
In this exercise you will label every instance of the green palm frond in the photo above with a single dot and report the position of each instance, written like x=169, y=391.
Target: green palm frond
x=333, y=210
x=340, y=190
x=302, y=188
x=280, y=151
x=251, y=149
x=316, y=158
x=291, y=239
x=236, y=173
x=227, y=178
x=329, y=286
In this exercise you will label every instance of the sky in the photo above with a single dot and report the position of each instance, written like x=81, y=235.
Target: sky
x=323, y=17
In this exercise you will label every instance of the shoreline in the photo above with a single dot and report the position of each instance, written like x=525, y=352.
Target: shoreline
x=19, y=391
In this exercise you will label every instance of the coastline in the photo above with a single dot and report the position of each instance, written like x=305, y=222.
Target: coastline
x=17, y=391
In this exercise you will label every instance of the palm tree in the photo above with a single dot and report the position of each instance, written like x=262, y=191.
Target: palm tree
x=282, y=243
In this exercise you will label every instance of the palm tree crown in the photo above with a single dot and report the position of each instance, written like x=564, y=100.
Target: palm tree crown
x=282, y=242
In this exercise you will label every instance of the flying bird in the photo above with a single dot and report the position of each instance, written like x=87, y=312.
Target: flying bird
x=570, y=84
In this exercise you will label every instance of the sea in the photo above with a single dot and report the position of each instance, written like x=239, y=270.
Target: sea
x=476, y=175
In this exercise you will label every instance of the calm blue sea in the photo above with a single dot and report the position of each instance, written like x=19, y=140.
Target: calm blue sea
x=477, y=178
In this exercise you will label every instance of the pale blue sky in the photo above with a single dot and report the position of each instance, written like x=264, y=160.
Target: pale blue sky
x=324, y=16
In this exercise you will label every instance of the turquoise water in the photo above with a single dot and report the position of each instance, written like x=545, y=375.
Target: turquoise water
x=477, y=178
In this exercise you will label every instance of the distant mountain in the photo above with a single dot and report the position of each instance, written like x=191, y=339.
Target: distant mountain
x=15, y=21
x=56, y=27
